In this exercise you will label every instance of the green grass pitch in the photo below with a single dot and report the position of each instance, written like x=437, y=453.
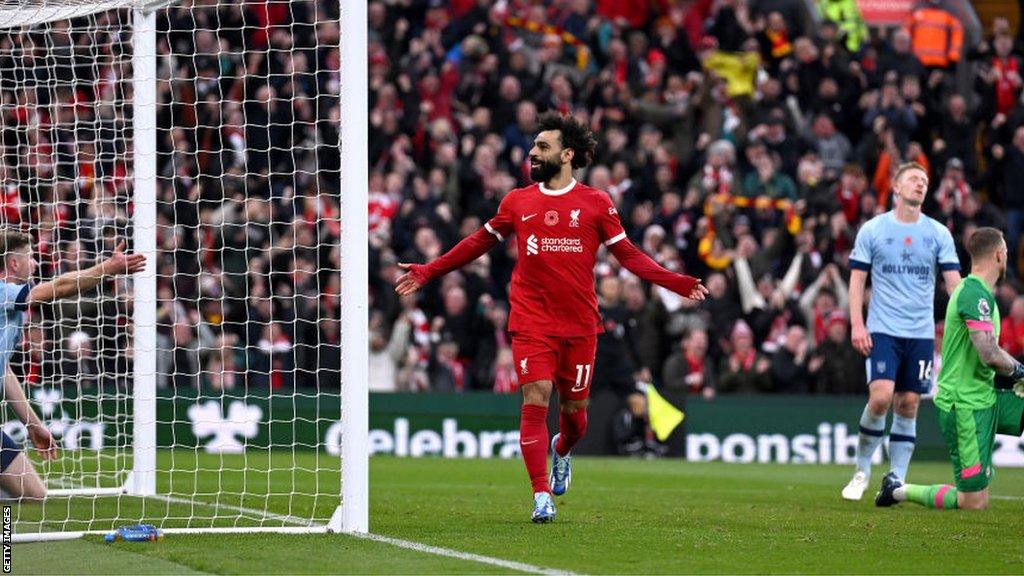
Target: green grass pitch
x=621, y=516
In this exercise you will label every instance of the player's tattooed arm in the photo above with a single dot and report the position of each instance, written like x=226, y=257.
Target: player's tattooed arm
x=990, y=353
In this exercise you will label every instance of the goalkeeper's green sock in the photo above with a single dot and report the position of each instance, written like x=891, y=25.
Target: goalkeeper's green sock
x=942, y=496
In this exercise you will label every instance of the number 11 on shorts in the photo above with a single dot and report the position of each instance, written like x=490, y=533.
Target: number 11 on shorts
x=581, y=379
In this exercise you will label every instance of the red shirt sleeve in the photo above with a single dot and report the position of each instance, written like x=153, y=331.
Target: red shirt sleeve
x=609, y=226
x=501, y=225
x=647, y=269
x=470, y=248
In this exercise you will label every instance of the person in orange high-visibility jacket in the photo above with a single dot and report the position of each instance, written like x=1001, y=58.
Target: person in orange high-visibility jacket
x=936, y=34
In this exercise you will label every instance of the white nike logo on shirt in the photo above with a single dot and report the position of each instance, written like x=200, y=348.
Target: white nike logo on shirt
x=528, y=442
x=525, y=218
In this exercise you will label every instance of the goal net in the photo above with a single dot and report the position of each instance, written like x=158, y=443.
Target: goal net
x=204, y=393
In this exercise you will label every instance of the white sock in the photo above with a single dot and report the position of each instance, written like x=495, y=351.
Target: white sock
x=869, y=439
x=900, y=494
x=901, y=444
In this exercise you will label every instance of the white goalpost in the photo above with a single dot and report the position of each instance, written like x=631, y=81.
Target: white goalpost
x=355, y=407
x=223, y=389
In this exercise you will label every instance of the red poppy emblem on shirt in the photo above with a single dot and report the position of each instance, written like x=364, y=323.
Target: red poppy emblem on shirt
x=908, y=241
x=551, y=218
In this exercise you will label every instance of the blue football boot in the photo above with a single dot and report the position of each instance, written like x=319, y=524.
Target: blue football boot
x=561, y=470
x=543, y=508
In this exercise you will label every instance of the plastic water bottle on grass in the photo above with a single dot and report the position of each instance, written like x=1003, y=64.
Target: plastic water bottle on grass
x=135, y=533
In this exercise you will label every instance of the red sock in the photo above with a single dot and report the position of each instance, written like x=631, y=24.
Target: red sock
x=533, y=441
x=571, y=428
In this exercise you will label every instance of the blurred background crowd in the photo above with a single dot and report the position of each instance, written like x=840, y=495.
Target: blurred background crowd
x=743, y=142
x=247, y=191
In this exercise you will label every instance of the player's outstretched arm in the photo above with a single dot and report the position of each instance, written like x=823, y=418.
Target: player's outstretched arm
x=411, y=281
x=37, y=433
x=74, y=283
x=470, y=248
x=634, y=260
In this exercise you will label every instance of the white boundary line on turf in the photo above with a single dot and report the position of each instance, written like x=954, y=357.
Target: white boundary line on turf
x=260, y=514
x=448, y=553
x=407, y=544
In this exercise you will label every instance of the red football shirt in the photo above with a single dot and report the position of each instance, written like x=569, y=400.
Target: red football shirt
x=558, y=233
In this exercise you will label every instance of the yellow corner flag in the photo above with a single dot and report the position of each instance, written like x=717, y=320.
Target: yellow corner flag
x=663, y=415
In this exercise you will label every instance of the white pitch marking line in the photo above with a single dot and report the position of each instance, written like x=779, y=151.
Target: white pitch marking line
x=446, y=552
x=408, y=544
x=260, y=514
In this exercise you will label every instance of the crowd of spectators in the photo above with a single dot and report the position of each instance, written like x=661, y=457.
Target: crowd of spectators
x=743, y=141
x=248, y=222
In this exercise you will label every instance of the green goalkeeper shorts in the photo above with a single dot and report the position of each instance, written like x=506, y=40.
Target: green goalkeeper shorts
x=970, y=436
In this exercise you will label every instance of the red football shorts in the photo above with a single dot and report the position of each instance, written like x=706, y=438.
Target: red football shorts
x=568, y=362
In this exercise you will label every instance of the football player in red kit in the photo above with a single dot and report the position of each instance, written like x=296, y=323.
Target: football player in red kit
x=559, y=225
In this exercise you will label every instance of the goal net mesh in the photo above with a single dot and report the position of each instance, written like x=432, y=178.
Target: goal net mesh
x=247, y=263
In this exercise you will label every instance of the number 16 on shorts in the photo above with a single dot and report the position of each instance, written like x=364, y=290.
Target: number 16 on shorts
x=905, y=361
x=924, y=371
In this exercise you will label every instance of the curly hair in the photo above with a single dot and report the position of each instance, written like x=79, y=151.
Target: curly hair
x=575, y=136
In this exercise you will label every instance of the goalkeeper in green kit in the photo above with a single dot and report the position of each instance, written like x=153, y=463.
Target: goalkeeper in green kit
x=971, y=411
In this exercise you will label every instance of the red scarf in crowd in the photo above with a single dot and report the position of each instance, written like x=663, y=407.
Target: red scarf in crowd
x=747, y=360
x=716, y=180
x=780, y=44
x=820, y=326
x=954, y=198
x=849, y=200
x=505, y=380
x=1006, y=90
x=458, y=371
x=694, y=366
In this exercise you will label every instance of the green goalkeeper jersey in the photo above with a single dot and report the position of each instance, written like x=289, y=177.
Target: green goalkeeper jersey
x=964, y=380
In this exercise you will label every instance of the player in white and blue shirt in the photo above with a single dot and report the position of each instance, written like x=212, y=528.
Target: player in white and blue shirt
x=13, y=303
x=18, y=478
x=902, y=260
x=902, y=250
